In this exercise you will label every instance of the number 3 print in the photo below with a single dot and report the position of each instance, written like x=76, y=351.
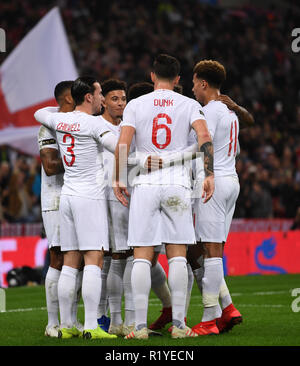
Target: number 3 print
x=69, y=149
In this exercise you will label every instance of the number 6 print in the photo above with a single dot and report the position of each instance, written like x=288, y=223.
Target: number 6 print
x=157, y=127
x=69, y=149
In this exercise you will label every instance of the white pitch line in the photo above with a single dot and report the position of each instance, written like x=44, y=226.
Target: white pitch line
x=156, y=302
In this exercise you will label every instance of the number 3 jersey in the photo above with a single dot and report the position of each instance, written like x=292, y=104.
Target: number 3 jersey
x=162, y=120
x=79, y=139
x=51, y=185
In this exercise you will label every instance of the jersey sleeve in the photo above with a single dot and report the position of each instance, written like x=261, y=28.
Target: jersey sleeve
x=129, y=115
x=47, y=138
x=45, y=116
x=196, y=112
x=211, y=120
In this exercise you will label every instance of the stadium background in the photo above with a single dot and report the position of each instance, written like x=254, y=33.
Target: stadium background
x=119, y=39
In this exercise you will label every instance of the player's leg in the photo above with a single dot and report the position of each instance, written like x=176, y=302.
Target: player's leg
x=51, y=225
x=115, y=292
x=92, y=232
x=102, y=314
x=118, y=215
x=177, y=232
x=159, y=285
x=230, y=315
x=51, y=283
x=129, y=317
x=144, y=210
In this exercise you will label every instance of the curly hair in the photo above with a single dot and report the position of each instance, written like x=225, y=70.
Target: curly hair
x=211, y=71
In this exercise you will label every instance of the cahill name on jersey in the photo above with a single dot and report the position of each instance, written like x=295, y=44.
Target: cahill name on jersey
x=162, y=121
x=78, y=136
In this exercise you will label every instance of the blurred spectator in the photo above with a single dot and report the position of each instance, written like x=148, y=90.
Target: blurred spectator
x=254, y=43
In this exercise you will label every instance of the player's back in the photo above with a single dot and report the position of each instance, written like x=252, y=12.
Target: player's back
x=77, y=136
x=162, y=121
x=223, y=125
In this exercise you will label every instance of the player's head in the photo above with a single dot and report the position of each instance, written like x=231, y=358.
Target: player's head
x=114, y=92
x=87, y=90
x=138, y=89
x=62, y=94
x=208, y=74
x=166, y=68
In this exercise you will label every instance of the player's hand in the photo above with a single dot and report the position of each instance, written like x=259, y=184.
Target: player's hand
x=153, y=162
x=121, y=192
x=208, y=187
x=228, y=101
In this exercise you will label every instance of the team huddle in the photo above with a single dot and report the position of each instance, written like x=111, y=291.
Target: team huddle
x=123, y=182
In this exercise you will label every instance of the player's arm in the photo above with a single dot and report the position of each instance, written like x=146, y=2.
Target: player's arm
x=121, y=157
x=44, y=115
x=51, y=161
x=245, y=118
x=206, y=147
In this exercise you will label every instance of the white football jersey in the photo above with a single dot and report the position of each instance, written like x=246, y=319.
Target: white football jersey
x=50, y=185
x=162, y=120
x=223, y=125
x=79, y=139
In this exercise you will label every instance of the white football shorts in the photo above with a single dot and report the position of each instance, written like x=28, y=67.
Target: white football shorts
x=51, y=225
x=118, y=216
x=83, y=223
x=160, y=214
x=213, y=218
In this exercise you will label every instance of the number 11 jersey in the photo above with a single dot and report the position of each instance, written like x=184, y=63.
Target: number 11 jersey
x=162, y=121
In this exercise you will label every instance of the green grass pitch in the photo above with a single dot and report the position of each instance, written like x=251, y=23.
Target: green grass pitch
x=269, y=319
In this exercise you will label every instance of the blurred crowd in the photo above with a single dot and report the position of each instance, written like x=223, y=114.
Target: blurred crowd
x=120, y=38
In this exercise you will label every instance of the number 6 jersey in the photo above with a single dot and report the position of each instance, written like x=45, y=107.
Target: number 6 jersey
x=162, y=120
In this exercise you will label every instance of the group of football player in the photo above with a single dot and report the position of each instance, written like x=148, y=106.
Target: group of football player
x=128, y=175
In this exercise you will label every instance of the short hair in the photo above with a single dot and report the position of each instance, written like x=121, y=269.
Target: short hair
x=61, y=87
x=138, y=89
x=82, y=86
x=178, y=89
x=166, y=67
x=113, y=84
x=211, y=71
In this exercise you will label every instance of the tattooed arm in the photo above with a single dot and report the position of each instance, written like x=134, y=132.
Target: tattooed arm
x=206, y=147
x=208, y=151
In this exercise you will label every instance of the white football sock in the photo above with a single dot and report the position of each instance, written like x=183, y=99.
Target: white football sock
x=160, y=286
x=103, y=303
x=66, y=294
x=189, y=288
x=178, y=281
x=128, y=303
x=224, y=296
x=51, y=282
x=77, y=296
x=211, y=283
x=199, y=273
x=141, y=285
x=115, y=289
x=91, y=292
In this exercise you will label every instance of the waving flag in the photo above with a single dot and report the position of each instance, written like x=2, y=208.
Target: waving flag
x=28, y=77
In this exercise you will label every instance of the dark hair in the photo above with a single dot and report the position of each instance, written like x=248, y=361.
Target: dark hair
x=113, y=84
x=178, y=89
x=61, y=88
x=211, y=71
x=166, y=67
x=138, y=89
x=82, y=86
